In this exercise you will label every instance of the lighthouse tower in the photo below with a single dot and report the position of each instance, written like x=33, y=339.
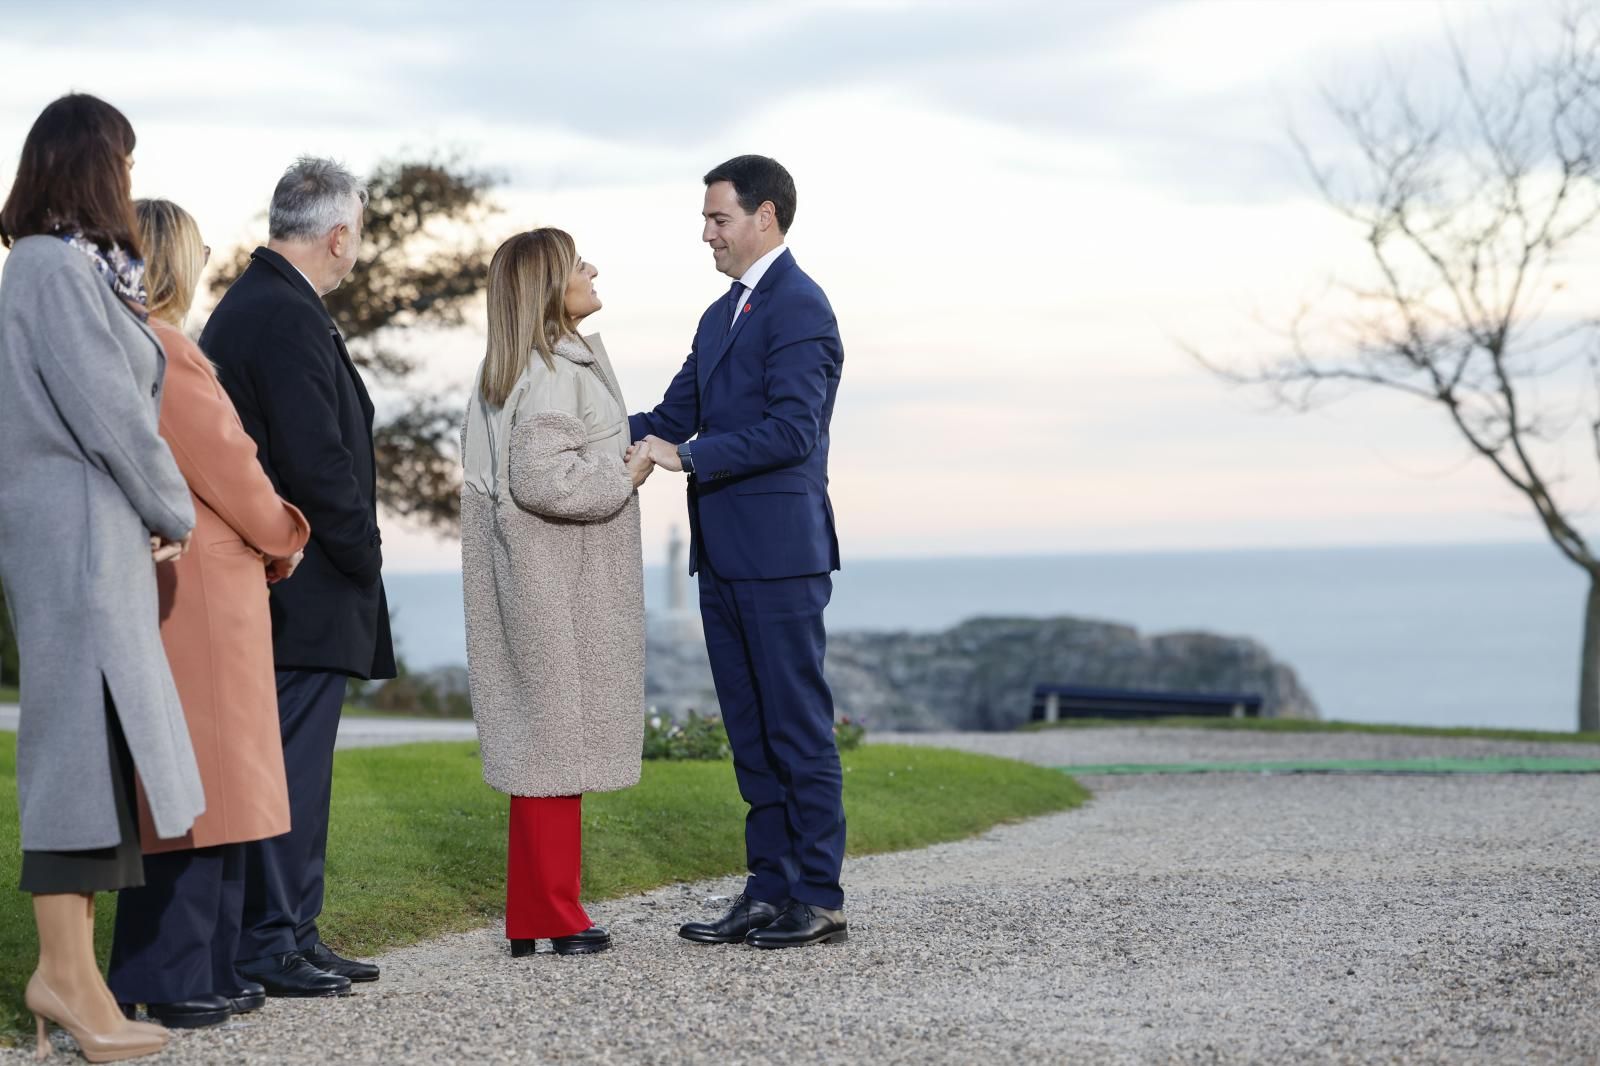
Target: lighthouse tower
x=680, y=621
x=677, y=591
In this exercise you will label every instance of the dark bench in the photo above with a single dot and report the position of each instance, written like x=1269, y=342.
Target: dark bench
x=1051, y=703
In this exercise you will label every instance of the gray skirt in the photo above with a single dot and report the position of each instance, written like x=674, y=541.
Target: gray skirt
x=96, y=869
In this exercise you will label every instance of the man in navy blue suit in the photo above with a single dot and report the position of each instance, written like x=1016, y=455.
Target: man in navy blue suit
x=747, y=420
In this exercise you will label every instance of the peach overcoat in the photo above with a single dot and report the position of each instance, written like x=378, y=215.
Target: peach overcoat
x=215, y=623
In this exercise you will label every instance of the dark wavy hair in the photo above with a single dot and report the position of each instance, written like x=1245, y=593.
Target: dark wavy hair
x=73, y=175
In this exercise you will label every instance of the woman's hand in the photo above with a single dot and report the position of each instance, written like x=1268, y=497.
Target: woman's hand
x=639, y=464
x=163, y=550
x=281, y=569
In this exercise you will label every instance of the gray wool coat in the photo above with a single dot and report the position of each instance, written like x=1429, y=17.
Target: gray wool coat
x=87, y=479
x=553, y=581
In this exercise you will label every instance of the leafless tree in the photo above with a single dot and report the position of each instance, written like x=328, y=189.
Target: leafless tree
x=1472, y=205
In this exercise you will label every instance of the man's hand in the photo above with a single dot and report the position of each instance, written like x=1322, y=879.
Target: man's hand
x=163, y=550
x=639, y=464
x=282, y=569
x=663, y=454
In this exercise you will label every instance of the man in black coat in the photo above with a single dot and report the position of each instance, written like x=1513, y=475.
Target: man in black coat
x=284, y=363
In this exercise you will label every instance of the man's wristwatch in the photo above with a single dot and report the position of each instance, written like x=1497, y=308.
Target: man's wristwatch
x=686, y=457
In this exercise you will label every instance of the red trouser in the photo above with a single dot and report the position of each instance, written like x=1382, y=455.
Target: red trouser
x=544, y=868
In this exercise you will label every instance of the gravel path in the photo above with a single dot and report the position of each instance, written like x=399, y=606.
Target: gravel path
x=1163, y=744
x=1227, y=918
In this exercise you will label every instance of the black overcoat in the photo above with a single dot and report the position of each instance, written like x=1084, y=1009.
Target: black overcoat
x=284, y=364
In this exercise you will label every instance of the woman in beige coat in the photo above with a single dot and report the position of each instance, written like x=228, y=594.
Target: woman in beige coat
x=553, y=579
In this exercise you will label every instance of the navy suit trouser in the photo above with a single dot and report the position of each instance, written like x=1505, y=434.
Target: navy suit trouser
x=283, y=874
x=766, y=642
x=176, y=935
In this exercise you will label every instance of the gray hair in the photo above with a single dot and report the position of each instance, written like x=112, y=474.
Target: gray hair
x=313, y=197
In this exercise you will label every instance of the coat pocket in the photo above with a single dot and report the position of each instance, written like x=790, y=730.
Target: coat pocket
x=607, y=434
x=777, y=481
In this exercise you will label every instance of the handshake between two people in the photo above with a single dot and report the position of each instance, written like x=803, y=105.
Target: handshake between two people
x=163, y=550
x=643, y=456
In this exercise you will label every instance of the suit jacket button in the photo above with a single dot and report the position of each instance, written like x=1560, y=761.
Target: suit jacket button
x=702, y=429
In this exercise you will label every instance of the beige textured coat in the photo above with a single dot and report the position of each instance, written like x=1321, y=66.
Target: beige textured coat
x=553, y=581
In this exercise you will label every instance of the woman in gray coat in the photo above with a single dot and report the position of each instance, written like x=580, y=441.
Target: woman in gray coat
x=90, y=494
x=553, y=582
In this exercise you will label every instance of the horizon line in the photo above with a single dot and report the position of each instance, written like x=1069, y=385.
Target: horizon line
x=1084, y=553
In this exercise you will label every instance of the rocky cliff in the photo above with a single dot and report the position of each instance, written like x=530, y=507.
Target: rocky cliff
x=981, y=674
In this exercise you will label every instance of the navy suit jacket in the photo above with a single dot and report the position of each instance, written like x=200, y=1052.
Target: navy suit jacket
x=284, y=364
x=757, y=399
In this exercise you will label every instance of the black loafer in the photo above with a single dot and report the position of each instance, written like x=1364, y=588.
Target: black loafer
x=291, y=976
x=588, y=942
x=745, y=915
x=247, y=997
x=801, y=924
x=196, y=1013
x=323, y=958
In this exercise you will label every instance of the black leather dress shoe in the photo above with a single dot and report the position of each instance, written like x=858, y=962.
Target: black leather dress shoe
x=745, y=915
x=522, y=948
x=588, y=942
x=323, y=958
x=247, y=997
x=196, y=1013
x=292, y=976
x=801, y=924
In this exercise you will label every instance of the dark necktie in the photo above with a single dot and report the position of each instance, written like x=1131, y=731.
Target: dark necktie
x=730, y=304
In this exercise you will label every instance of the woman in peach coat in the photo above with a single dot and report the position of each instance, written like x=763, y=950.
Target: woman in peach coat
x=175, y=937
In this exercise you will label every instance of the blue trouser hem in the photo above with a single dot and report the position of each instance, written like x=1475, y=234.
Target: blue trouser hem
x=173, y=937
x=284, y=874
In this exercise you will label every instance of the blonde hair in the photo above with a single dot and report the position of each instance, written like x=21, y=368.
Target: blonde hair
x=174, y=257
x=527, y=307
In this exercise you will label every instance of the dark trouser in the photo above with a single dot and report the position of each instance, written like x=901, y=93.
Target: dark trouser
x=766, y=642
x=176, y=937
x=544, y=868
x=283, y=875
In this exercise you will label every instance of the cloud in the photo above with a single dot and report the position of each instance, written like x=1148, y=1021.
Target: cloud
x=1015, y=208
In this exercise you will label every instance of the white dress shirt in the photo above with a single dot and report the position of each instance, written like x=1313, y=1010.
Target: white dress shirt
x=302, y=273
x=752, y=278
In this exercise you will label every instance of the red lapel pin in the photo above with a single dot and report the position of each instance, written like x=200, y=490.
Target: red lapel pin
x=747, y=309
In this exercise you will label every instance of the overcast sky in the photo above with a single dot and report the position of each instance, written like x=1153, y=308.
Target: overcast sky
x=1017, y=209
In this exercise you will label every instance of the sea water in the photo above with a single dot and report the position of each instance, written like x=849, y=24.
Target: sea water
x=1476, y=635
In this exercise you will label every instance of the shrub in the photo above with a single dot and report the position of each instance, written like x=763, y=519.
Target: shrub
x=706, y=738
x=693, y=738
x=430, y=694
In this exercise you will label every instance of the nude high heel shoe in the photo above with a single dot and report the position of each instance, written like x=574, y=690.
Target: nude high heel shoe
x=122, y=1042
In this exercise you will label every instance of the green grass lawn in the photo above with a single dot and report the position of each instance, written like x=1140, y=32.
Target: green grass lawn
x=9, y=694
x=417, y=843
x=1300, y=725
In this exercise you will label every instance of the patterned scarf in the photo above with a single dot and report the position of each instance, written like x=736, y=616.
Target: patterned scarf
x=121, y=271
